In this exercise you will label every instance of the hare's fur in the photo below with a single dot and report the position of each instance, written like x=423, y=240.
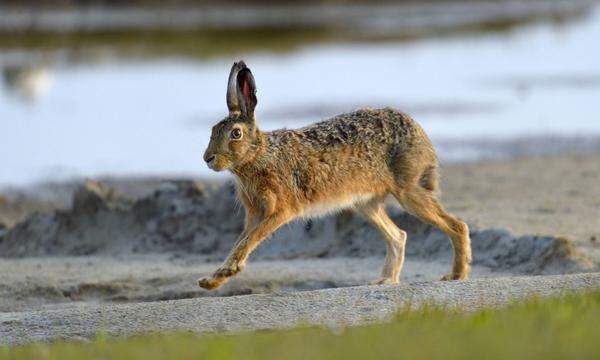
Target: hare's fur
x=352, y=161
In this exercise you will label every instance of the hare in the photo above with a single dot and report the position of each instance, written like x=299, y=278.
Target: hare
x=351, y=161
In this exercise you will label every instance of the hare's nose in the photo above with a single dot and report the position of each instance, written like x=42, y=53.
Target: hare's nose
x=209, y=158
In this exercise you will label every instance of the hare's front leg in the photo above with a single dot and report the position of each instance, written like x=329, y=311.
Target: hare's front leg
x=247, y=242
x=229, y=267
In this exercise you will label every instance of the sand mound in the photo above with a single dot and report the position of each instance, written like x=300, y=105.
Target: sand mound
x=184, y=217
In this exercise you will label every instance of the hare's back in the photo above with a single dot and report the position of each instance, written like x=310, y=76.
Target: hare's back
x=362, y=152
x=365, y=126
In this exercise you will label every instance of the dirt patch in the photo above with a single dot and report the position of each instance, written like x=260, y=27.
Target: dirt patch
x=184, y=217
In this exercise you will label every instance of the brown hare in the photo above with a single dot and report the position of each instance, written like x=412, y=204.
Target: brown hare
x=352, y=161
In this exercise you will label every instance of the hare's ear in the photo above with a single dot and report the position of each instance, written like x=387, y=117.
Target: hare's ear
x=233, y=102
x=246, y=88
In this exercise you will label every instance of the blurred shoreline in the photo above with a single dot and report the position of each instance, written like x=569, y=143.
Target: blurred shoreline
x=369, y=19
x=451, y=152
x=81, y=33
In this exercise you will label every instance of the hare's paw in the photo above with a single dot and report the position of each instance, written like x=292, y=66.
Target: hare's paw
x=385, y=281
x=460, y=271
x=220, y=276
x=228, y=270
x=460, y=276
x=210, y=283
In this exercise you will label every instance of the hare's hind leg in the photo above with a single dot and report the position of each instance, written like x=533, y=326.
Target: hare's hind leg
x=424, y=204
x=396, y=239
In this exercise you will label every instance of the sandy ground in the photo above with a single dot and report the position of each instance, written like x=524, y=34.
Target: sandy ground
x=62, y=282
x=72, y=297
x=331, y=307
x=558, y=195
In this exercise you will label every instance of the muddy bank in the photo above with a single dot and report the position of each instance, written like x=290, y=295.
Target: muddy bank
x=187, y=218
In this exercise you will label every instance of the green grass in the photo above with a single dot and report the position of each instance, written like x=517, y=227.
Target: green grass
x=560, y=328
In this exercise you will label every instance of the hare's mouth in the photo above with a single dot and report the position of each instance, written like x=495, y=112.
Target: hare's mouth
x=216, y=164
x=211, y=163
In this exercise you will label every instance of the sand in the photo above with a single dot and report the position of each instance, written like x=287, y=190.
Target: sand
x=558, y=195
x=61, y=282
x=331, y=307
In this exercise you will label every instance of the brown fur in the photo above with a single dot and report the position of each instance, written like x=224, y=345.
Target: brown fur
x=353, y=160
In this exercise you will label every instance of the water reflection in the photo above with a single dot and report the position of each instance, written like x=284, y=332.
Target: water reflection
x=27, y=82
x=150, y=112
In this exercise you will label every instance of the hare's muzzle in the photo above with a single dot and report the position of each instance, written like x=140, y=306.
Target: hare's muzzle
x=209, y=159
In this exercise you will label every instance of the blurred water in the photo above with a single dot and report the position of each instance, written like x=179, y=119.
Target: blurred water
x=153, y=117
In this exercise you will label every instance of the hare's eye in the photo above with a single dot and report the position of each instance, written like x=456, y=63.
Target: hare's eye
x=236, y=134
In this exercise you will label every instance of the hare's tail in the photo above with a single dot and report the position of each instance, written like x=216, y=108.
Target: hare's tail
x=429, y=178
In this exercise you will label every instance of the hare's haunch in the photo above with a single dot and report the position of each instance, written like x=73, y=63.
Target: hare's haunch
x=352, y=161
